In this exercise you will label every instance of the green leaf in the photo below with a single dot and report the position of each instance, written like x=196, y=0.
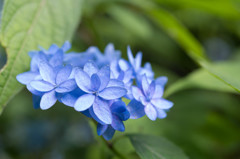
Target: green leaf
x=27, y=24
x=179, y=33
x=202, y=79
x=221, y=8
x=153, y=147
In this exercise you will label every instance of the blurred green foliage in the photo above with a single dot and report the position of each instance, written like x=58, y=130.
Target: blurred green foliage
x=184, y=40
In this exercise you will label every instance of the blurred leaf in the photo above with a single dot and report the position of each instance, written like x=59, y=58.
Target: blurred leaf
x=199, y=79
x=152, y=147
x=131, y=20
x=178, y=32
x=222, y=8
x=27, y=24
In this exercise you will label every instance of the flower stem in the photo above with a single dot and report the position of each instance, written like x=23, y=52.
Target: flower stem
x=113, y=149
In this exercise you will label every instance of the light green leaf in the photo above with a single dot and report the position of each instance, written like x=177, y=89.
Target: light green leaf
x=153, y=147
x=27, y=24
x=222, y=8
x=202, y=79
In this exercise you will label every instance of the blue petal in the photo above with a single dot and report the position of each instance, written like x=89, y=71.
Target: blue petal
x=36, y=101
x=138, y=61
x=145, y=84
x=95, y=82
x=151, y=89
x=42, y=86
x=93, y=115
x=112, y=93
x=158, y=93
x=36, y=59
x=115, y=83
x=66, y=46
x=63, y=74
x=137, y=93
x=130, y=55
x=34, y=91
x=101, y=129
x=70, y=98
x=66, y=86
x=161, y=81
x=123, y=64
x=104, y=75
x=83, y=80
x=162, y=103
x=117, y=124
x=47, y=72
x=136, y=109
x=48, y=100
x=56, y=59
x=119, y=108
x=109, y=133
x=52, y=49
x=84, y=102
x=151, y=112
x=90, y=68
x=102, y=111
x=161, y=113
x=26, y=77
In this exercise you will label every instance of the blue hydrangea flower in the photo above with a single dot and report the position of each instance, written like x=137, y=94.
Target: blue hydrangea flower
x=52, y=82
x=99, y=89
x=119, y=114
x=148, y=100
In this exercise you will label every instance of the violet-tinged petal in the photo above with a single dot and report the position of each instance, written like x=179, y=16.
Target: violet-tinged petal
x=115, y=83
x=95, y=82
x=56, y=59
x=66, y=86
x=26, y=77
x=137, y=93
x=47, y=72
x=42, y=86
x=151, y=112
x=109, y=133
x=90, y=68
x=48, y=100
x=127, y=75
x=158, y=91
x=104, y=75
x=117, y=124
x=63, y=74
x=161, y=81
x=84, y=102
x=102, y=111
x=145, y=85
x=110, y=93
x=101, y=129
x=136, y=109
x=36, y=59
x=161, y=113
x=162, y=103
x=83, y=80
x=36, y=101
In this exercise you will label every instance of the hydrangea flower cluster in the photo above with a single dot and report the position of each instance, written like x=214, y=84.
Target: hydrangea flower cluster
x=94, y=83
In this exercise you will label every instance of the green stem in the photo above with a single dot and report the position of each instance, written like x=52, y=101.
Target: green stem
x=110, y=146
x=113, y=149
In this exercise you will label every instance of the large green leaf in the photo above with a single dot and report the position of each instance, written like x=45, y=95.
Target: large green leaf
x=153, y=147
x=202, y=79
x=27, y=24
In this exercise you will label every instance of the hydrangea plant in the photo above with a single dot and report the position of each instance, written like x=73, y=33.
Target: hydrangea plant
x=94, y=83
